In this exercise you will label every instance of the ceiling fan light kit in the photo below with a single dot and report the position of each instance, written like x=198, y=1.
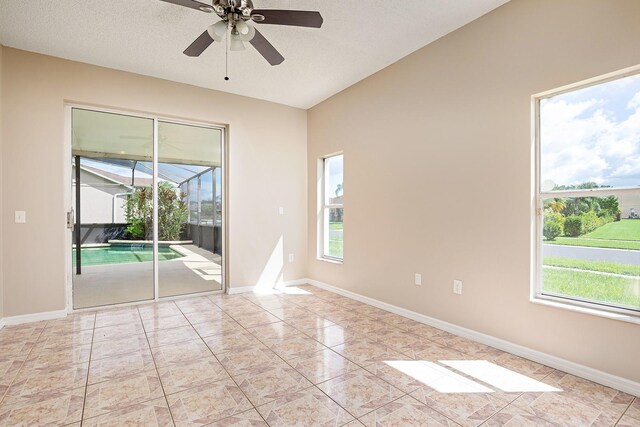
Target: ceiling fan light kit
x=217, y=31
x=237, y=20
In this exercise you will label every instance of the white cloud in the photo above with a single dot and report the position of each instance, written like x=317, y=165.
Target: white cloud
x=635, y=102
x=584, y=141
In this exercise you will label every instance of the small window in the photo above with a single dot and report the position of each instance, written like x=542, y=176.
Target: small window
x=588, y=194
x=332, y=229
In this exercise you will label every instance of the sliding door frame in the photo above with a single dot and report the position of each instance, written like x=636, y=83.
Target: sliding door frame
x=157, y=118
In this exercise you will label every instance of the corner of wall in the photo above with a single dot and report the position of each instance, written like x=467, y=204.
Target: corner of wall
x=1, y=192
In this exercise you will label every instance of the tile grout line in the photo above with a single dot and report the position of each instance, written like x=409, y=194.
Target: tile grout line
x=223, y=367
x=428, y=339
x=360, y=366
x=313, y=385
x=86, y=384
x=626, y=410
x=382, y=379
x=4, y=395
x=164, y=394
x=405, y=393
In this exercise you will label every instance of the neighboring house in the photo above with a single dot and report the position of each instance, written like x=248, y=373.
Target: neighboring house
x=335, y=215
x=627, y=202
x=103, y=195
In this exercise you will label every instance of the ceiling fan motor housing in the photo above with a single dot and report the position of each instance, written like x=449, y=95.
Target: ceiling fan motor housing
x=225, y=7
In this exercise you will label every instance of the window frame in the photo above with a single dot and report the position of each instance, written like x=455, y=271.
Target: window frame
x=323, y=232
x=537, y=294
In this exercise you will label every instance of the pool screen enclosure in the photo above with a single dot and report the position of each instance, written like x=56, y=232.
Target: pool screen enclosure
x=148, y=200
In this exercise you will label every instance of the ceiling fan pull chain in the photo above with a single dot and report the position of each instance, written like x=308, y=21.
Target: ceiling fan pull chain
x=226, y=57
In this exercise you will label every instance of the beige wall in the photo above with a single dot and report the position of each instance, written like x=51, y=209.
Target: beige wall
x=437, y=173
x=267, y=167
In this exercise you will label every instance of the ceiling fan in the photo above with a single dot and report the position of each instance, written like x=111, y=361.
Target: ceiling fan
x=237, y=17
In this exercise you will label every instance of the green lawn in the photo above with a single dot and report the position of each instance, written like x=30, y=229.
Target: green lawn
x=602, y=266
x=595, y=243
x=623, y=234
x=626, y=229
x=336, y=242
x=592, y=286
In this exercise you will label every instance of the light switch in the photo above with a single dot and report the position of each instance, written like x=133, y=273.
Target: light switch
x=281, y=210
x=457, y=287
x=418, y=280
x=21, y=217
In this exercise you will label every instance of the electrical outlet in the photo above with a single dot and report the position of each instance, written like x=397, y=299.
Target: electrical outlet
x=20, y=217
x=291, y=257
x=457, y=287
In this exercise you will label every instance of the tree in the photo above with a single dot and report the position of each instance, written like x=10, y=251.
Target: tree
x=172, y=213
x=338, y=189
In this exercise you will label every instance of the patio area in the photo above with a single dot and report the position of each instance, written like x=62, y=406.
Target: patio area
x=198, y=270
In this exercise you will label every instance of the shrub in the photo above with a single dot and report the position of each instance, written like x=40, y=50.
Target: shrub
x=573, y=226
x=136, y=229
x=590, y=221
x=553, y=224
x=172, y=213
x=551, y=230
x=586, y=222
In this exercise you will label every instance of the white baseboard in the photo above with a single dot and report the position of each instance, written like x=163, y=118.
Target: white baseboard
x=233, y=290
x=586, y=372
x=266, y=288
x=35, y=317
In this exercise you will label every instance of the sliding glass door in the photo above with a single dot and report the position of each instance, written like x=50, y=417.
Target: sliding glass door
x=189, y=156
x=147, y=200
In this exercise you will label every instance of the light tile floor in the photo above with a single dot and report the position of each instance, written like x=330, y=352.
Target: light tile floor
x=302, y=357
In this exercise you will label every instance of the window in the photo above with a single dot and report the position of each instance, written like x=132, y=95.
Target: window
x=331, y=228
x=588, y=194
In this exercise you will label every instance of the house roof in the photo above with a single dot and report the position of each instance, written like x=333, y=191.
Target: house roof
x=119, y=179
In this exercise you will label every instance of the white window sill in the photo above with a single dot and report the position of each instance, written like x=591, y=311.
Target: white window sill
x=331, y=260
x=560, y=303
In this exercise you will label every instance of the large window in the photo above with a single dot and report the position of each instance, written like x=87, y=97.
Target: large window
x=332, y=230
x=588, y=194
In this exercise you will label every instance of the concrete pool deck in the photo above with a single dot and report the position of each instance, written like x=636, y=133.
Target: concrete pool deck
x=197, y=271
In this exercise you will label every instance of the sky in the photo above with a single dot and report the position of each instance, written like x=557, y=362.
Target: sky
x=592, y=134
x=141, y=172
x=335, y=175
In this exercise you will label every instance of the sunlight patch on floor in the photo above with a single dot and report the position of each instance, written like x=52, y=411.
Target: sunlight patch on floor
x=499, y=377
x=438, y=377
x=445, y=380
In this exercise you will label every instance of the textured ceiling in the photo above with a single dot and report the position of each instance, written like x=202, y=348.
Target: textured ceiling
x=147, y=37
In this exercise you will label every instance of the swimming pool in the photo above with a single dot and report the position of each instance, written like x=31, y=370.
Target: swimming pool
x=123, y=254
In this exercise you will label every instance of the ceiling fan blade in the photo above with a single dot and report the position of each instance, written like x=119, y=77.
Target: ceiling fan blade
x=297, y=18
x=199, y=45
x=192, y=4
x=266, y=49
